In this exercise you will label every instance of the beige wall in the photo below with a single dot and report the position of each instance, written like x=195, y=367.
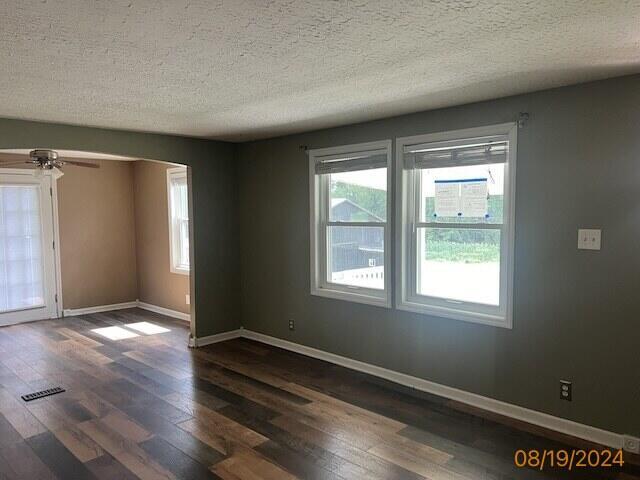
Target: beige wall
x=114, y=236
x=156, y=284
x=97, y=235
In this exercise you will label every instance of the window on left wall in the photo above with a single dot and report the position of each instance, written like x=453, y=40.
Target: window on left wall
x=350, y=236
x=177, y=193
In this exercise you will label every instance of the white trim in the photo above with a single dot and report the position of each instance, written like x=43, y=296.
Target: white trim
x=406, y=296
x=318, y=256
x=567, y=427
x=179, y=270
x=195, y=342
x=121, y=306
x=473, y=132
x=163, y=311
x=453, y=314
x=56, y=239
x=70, y=312
x=356, y=295
x=351, y=148
x=31, y=172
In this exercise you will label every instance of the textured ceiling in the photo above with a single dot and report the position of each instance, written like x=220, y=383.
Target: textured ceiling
x=242, y=69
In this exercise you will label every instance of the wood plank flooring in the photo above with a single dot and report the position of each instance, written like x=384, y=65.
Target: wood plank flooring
x=148, y=407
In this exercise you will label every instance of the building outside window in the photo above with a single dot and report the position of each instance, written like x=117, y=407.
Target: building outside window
x=349, y=222
x=456, y=229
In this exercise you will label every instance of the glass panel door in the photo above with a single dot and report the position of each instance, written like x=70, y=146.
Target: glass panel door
x=27, y=278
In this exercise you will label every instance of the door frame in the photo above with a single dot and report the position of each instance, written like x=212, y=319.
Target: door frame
x=53, y=176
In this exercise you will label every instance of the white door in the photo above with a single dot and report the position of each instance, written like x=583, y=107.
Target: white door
x=27, y=262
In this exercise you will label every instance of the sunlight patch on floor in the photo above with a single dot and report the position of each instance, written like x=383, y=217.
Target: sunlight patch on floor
x=147, y=328
x=115, y=333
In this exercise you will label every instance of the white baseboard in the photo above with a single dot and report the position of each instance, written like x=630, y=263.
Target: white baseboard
x=70, y=312
x=568, y=427
x=196, y=342
x=163, y=311
x=120, y=306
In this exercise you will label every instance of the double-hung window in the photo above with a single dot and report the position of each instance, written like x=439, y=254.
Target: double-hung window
x=455, y=250
x=177, y=192
x=350, y=205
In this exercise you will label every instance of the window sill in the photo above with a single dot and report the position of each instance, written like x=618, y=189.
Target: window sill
x=352, y=296
x=456, y=314
x=180, y=271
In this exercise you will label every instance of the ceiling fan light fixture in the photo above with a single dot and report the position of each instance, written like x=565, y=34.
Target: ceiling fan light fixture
x=46, y=159
x=40, y=153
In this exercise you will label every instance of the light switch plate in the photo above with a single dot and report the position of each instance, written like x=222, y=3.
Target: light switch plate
x=187, y=299
x=589, y=239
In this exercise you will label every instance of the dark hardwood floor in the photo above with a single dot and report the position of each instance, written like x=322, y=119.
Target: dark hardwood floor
x=148, y=407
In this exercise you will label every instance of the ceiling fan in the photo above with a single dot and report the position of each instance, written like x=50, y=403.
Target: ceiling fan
x=46, y=160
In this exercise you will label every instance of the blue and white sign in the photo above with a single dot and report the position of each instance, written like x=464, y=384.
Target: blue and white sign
x=461, y=198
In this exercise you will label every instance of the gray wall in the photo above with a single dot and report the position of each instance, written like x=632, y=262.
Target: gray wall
x=214, y=176
x=576, y=313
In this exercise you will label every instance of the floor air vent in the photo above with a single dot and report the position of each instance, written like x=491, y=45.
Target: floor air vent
x=41, y=394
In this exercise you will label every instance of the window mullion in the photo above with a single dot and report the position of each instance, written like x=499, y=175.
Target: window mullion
x=324, y=199
x=416, y=184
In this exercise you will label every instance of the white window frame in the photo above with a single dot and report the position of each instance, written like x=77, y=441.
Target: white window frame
x=406, y=228
x=319, y=223
x=177, y=172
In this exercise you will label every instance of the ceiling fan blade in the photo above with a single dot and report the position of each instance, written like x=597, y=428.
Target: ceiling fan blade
x=80, y=164
x=7, y=163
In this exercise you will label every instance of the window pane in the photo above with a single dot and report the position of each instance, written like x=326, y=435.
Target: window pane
x=183, y=259
x=461, y=185
x=180, y=221
x=21, y=267
x=356, y=256
x=179, y=203
x=459, y=264
x=359, y=196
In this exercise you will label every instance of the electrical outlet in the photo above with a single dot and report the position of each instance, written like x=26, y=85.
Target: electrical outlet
x=565, y=390
x=631, y=444
x=292, y=325
x=589, y=239
x=187, y=299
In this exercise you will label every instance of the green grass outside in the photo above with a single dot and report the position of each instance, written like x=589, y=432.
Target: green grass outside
x=442, y=251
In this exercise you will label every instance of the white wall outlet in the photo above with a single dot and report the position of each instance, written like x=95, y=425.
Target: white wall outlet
x=589, y=239
x=631, y=444
x=187, y=298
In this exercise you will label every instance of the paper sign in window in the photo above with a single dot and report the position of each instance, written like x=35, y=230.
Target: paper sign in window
x=474, y=198
x=447, y=198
